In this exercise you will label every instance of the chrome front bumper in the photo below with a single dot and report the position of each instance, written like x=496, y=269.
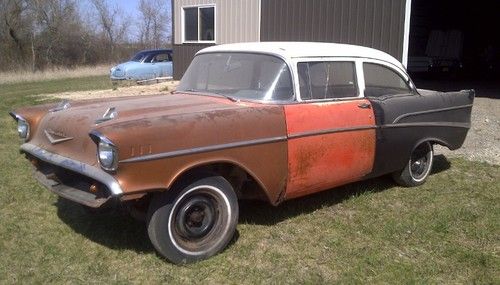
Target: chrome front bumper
x=75, y=166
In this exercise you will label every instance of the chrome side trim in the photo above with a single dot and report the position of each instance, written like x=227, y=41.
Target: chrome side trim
x=331, y=131
x=430, y=111
x=428, y=124
x=202, y=149
x=74, y=165
x=217, y=147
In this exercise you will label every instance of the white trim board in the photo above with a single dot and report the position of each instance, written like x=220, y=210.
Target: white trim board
x=406, y=36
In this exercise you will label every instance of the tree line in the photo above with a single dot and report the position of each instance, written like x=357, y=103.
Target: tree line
x=40, y=34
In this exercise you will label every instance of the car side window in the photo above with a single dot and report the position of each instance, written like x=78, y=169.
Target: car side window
x=380, y=81
x=327, y=80
x=161, y=57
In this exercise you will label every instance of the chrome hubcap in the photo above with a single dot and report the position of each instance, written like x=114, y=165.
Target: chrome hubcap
x=419, y=162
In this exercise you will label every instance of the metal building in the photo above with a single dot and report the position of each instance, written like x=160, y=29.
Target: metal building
x=382, y=24
x=445, y=38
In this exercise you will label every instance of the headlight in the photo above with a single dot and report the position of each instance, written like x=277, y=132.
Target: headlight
x=23, y=129
x=108, y=156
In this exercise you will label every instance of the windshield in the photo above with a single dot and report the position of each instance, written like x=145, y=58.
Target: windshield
x=240, y=76
x=138, y=57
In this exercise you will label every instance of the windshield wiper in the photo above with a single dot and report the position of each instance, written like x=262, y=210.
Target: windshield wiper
x=189, y=90
x=231, y=98
x=210, y=92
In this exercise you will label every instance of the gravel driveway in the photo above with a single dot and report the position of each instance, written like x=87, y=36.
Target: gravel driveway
x=482, y=143
x=483, y=139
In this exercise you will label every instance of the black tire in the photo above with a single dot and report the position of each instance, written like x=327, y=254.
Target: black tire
x=194, y=222
x=418, y=167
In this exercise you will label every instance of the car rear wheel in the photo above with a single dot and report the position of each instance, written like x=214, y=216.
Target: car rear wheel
x=196, y=223
x=418, y=167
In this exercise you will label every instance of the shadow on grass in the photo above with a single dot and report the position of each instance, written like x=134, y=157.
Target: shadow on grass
x=112, y=228
x=117, y=230
x=440, y=164
x=262, y=213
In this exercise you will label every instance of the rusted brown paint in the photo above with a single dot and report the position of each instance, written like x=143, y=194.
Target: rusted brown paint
x=331, y=143
x=158, y=124
x=290, y=150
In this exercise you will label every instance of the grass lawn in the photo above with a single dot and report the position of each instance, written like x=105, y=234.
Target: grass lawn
x=21, y=89
x=446, y=231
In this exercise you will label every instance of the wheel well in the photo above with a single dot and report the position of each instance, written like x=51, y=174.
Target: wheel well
x=432, y=141
x=244, y=184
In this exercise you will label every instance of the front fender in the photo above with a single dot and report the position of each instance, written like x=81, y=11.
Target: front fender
x=154, y=152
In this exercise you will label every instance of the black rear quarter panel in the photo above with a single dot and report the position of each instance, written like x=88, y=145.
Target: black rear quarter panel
x=406, y=120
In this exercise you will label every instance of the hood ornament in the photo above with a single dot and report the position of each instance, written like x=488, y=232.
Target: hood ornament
x=56, y=137
x=110, y=114
x=63, y=105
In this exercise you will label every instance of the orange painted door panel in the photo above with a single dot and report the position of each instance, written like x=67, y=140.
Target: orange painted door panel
x=329, y=144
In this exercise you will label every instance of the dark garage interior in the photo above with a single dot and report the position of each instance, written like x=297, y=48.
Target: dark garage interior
x=455, y=45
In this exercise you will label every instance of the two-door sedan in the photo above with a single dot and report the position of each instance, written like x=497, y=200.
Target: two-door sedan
x=146, y=64
x=270, y=121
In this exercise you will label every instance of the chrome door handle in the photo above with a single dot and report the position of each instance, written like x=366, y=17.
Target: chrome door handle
x=364, y=105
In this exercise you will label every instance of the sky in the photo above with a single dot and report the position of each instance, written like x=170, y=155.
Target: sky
x=128, y=7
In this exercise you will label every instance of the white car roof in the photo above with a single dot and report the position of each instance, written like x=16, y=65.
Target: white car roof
x=289, y=50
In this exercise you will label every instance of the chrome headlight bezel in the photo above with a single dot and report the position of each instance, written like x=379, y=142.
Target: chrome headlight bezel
x=107, y=155
x=23, y=127
x=107, y=152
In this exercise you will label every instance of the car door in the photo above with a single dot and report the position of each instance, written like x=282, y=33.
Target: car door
x=162, y=63
x=331, y=131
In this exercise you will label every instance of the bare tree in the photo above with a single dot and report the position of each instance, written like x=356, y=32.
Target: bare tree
x=153, y=23
x=40, y=34
x=14, y=25
x=57, y=25
x=109, y=21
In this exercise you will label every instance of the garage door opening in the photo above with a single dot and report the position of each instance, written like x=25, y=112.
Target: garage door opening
x=455, y=45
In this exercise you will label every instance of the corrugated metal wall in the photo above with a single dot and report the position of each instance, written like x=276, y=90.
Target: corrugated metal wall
x=373, y=23
x=239, y=21
x=236, y=20
x=183, y=54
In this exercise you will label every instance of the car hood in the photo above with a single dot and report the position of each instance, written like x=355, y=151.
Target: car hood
x=125, y=65
x=66, y=132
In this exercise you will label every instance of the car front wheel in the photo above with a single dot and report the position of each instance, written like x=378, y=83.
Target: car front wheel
x=196, y=223
x=418, y=167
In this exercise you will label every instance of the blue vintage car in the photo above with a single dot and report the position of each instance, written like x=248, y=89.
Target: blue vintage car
x=146, y=64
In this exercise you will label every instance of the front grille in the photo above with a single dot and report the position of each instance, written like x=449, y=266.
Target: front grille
x=69, y=184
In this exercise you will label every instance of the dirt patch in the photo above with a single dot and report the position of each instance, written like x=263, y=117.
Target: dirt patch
x=482, y=143
x=120, y=91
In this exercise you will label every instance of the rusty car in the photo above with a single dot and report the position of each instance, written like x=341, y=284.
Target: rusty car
x=271, y=121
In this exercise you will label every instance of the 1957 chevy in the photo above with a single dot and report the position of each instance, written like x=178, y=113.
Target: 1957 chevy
x=270, y=121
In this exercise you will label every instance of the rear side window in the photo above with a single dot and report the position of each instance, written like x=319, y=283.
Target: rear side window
x=327, y=80
x=161, y=57
x=380, y=81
